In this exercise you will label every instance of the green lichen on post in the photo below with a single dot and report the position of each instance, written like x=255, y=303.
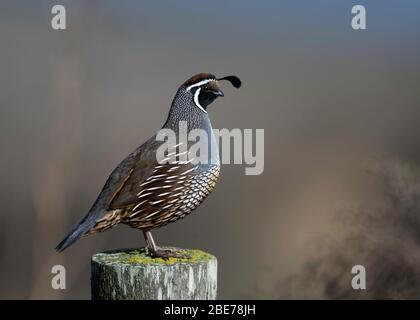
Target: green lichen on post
x=141, y=256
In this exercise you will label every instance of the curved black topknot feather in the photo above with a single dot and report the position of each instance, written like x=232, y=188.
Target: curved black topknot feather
x=234, y=80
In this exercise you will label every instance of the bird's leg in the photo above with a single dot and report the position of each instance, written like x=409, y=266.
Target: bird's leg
x=151, y=246
x=164, y=253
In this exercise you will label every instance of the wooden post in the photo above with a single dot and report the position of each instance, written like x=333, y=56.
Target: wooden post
x=129, y=274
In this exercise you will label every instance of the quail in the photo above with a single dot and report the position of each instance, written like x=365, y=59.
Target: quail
x=145, y=192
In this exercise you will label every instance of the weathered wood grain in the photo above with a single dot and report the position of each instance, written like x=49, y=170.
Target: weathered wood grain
x=130, y=274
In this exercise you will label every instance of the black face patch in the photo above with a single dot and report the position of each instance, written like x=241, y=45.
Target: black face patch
x=206, y=97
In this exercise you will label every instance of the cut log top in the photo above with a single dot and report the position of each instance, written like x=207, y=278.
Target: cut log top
x=129, y=274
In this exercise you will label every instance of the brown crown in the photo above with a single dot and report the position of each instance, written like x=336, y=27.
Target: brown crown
x=199, y=77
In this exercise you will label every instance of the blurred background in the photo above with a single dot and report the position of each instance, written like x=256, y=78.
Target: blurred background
x=340, y=109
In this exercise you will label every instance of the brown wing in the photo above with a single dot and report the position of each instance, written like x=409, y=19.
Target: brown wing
x=147, y=180
x=135, y=167
x=161, y=196
x=125, y=195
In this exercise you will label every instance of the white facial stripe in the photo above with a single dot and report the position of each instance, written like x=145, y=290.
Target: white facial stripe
x=198, y=84
x=197, y=103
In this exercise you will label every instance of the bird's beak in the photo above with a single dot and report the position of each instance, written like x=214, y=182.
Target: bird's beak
x=219, y=93
x=215, y=89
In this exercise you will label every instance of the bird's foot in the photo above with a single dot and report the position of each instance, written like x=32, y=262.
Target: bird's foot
x=168, y=252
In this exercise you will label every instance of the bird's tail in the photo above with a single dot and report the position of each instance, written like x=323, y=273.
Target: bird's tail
x=82, y=229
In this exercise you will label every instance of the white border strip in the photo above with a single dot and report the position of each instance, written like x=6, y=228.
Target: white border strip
x=199, y=84
x=197, y=103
